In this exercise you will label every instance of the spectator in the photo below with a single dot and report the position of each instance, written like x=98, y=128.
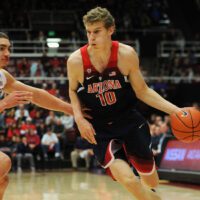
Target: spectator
x=82, y=149
x=34, y=143
x=10, y=117
x=12, y=129
x=26, y=126
x=67, y=121
x=155, y=137
x=41, y=129
x=45, y=62
x=21, y=112
x=41, y=37
x=51, y=119
x=24, y=152
x=50, y=143
x=15, y=141
x=52, y=89
x=74, y=41
x=5, y=146
x=59, y=130
x=180, y=42
x=36, y=69
x=2, y=120
x=164, y=132
x=24, y=66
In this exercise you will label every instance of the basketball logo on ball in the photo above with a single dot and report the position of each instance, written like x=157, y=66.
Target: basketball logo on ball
x=185, y=124
x=184, y=114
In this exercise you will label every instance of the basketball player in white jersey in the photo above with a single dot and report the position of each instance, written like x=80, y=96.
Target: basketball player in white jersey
x=19, y=93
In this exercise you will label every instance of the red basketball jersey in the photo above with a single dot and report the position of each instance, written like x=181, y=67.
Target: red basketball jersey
x=108, y=94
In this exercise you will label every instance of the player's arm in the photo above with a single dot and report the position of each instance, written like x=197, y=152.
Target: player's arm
x=75, y=75
x=143, y=92
x=40, y=97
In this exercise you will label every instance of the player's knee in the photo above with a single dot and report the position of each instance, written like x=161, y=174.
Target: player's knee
x=5, y=180
x=4, y=183
x=5, y=165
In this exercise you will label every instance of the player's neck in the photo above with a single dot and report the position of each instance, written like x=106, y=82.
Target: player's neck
x=102, y=52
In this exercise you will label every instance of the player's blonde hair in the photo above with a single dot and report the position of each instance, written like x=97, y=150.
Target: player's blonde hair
x=99, y=14
x=4, y=35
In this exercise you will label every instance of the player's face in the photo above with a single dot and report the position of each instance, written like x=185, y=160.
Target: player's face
x=4, y=52
x=97, y=34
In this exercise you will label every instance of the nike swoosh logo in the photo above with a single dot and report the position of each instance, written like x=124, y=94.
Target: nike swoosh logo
x=141, y=125
x=88, y=78
x=80, y=89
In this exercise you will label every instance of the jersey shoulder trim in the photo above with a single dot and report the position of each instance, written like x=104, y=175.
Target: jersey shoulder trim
x=85, y=57
x=114, y=54
x=112, y=60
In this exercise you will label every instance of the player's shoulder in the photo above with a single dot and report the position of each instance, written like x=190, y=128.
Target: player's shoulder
x=75, y=59
x=127, y=50
x=3, y=73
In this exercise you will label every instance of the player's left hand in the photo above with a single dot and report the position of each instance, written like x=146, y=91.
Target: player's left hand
x=86, y=130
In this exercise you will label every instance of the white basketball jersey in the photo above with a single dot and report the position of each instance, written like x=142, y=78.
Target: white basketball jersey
x=2, y=80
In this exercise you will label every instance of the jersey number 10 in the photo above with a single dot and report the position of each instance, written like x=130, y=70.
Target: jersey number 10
x=107, y=98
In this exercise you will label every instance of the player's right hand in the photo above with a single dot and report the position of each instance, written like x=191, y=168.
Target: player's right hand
x=86, y=130
x=17, y=97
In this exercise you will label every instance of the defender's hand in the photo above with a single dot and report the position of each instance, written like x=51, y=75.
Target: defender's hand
x=15, y=98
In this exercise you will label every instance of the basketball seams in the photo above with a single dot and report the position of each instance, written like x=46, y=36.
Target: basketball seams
x=191, y=132
x=192, y=124
x=187, y=137
x=186, y=131
x=193, y=121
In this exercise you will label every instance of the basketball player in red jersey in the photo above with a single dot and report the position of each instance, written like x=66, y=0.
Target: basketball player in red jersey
x=19, y=93
x=104, y=76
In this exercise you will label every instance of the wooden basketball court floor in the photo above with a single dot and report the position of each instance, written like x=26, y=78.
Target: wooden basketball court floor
x=84, y=186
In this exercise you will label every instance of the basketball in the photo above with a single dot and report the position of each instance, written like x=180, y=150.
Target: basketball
x=185, y=124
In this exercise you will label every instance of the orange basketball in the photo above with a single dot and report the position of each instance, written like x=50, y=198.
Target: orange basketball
x=186, y=124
